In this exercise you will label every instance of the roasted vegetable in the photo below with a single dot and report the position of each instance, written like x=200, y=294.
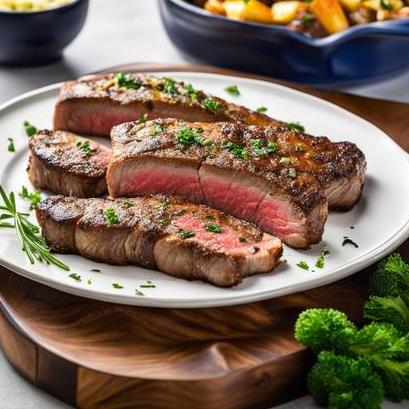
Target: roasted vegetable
x=215, y=7
x=341, y=382
x=330, y=14
x=234, y=9
x=350, y=5
x=257, y=11
x=285, y=11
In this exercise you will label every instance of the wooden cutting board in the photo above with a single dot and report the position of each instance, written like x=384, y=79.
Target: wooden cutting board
x=96, y=355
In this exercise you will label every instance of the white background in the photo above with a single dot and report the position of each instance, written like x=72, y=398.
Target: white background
x=119, y=32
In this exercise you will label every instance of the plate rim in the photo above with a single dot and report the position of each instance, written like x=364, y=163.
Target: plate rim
x=350, y=268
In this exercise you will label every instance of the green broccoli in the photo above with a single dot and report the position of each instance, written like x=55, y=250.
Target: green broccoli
x=381, y=343
x=341, y=382
x=324, y=329
x=391, y=277
x=390, y=288
x=388, y=309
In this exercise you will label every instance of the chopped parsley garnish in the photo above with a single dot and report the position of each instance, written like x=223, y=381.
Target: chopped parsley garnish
x=262, y=109
x=170, y=86
x=117, y=286
x=242, y=240
x=75, y=277
x=186, y=234
x=29, y=128
x=11, y=147
x=232, y=90
x=139, y=293
x=211, y=104
x=295, y=126
x=213, y=227
x=260, y=150
x=95, y=270
x=148, y=285
x=126, y=80
x=188, y=136
x=321, y=259
x=235, y=149
x=84, y=147
x=191, y=92
x=347, y=240
x=111, y=216
x=33, y=197
x=284, y=159
x=386, y=5
x=303, y=264
x=143, y=118
x=127, y=203
x=89, y=282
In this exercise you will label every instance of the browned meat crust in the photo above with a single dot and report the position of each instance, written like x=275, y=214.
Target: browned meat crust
x=152, y=232
x=62, y=162
x=94, y=104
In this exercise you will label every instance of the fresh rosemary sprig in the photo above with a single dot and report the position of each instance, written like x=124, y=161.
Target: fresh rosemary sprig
x=28, y=234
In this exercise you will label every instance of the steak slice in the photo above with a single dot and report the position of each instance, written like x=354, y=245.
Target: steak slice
x=94, y=104
x=255, y=173
x=169, y=234
x=64, y=163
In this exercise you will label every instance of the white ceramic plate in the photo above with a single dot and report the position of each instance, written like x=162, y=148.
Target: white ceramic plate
x=380, y=220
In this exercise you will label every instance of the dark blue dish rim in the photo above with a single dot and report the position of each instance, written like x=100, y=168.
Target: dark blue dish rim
x=392, y=28
x=73, y=3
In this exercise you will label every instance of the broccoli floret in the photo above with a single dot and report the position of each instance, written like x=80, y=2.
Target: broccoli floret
x=391, y=277
x=324, y=329
x=388, y=309
x=341, y=382
x=380, y=343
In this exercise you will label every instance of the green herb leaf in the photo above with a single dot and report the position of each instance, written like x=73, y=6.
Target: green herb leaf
x=29, y=128
x=347, y=240
x=33, y=197
x=193, y=94
x=95, y=270
x=147, y=285
x=126, y=80
x=143, y=118
x=303, y=264
x=75, y=277
x=28, y=234
x=186, y=234
x=110, y=216
x=117, y=286
x=212, y=105
x=321, y=259
x=307, y=18
x=235, y=149
x=213, y=227
x=84, y=147
x=295, y=126
x=232, y=90
x=262, y=109
x=11, y=147
x=139, y=293
x=386, y=5
x=170, y=86
x=188, y=136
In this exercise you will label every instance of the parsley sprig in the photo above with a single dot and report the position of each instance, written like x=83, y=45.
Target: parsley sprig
x=28, y=234
x=126, y=80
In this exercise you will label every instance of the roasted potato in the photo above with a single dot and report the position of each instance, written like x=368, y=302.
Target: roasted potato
x=257, y=11
x=285, y=11
x=330, y=14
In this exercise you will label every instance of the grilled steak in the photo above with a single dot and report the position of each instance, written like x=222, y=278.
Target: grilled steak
x=94, y=104
x=266, y=175
x=62, y=162
x=171, y=235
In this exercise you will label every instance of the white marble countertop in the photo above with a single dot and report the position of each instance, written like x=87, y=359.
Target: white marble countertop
x=119, y=32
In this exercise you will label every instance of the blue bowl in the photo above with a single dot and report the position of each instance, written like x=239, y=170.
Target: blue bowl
x=361, y=53
x=34, y=38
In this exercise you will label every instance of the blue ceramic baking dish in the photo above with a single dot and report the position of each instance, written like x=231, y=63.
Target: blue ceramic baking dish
x=362, y=53
x=39, y=37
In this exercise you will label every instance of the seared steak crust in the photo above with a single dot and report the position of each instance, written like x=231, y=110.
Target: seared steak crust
x=94, y=104
x=62, y=162
x=261, y=173
x=159, y=232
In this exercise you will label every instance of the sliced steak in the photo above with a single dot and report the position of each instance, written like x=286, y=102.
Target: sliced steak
x=159, y=232
x=255, y=173
x=64, y=163
x=94, y=104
